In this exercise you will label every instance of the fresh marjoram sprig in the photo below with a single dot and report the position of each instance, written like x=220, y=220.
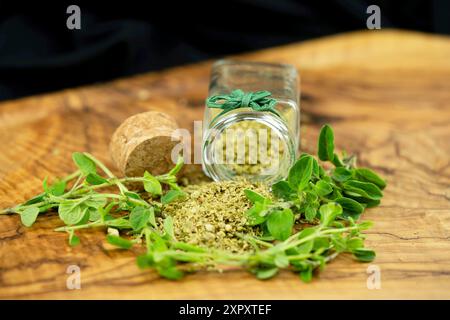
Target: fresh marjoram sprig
x=81, y=206
x=309, y=186
x=312, y=195
x=322, y=205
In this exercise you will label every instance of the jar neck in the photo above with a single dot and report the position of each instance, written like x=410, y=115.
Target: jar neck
x=219, y=171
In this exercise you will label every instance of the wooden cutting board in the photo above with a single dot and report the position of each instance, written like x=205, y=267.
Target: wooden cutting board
x=387, y=96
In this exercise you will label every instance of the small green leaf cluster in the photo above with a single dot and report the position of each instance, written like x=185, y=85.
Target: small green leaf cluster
x=309, y=185
x=80, y=205
x=313, y=195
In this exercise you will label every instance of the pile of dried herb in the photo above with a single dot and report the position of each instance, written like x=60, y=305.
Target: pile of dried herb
x=213, y=215
x=305, y=222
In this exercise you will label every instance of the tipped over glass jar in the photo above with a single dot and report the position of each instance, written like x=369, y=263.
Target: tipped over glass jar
x=251, y=121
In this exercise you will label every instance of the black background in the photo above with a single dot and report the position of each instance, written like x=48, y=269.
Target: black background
x=39, y=54
x=280, y=309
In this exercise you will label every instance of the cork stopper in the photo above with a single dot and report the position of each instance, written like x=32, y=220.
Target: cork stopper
x=143, y=142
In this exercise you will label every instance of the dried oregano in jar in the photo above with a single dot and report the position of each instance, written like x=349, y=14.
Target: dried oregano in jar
x=250, y=148
x=251, y=122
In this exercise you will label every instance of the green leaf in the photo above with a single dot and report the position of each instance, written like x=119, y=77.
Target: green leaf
x=300, y=173
x=35, y=199
x=310, y=213
x=365, y=255
x=335, y=195
x=128, y=204
x=139, y=217
x=281, y=260
x=367, y=175
x=119, y=223
x=255, y=214
x=321, y=260
x=306, y=233
x=367, y=203
x=119, y=241
x=74, y=240
x=29, y=215
x=329, y=212
x=145, y=261
x=86, y=215
x=280, y=223
x=172, y=195
x=254, y=196
x=355, y=243
x=71, y=211
x=95, y=179
x=171, y=273
x=337, y=161
x=350, y=207
x=178, y=166
x=132, y=195
x=362, y=189
x=267, y=273
x=322, y=172
x=326, y=144
x=339, y=242
x=311, y=197
x=371, y=203
x=94, y=214
x=57, y=189
x=168, y=227
x=316, y=168
x=323, y=188
x=306, y=274
x=365, y=225
x=151, y=217
x=152, y=185
x=95, y=202
x=83, y=163
x=321, y=243
x=159, y=244
x=341, y=174
x=45, y=185
x=282, y=190
x=305, y=248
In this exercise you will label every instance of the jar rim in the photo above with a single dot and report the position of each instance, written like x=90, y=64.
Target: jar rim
x=218, y=172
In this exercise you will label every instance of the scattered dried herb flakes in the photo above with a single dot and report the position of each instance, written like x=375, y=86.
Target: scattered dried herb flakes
x=213, y=214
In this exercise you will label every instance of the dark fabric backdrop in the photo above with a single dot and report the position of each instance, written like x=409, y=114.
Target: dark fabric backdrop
x=38, y=53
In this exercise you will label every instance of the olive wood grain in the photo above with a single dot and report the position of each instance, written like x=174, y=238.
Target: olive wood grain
x=387, y=96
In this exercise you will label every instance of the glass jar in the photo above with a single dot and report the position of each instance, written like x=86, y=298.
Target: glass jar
x=248, y=143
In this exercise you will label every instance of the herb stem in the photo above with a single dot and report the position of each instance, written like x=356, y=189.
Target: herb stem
x=108, y=172
x=255, y=240
x=97, y=223
x=7, y=211
x=120, y=197
x=148, y=241
x=299, y=257
x=75, y=185
x=71, y=176
x=288, y=244
x=66, y=179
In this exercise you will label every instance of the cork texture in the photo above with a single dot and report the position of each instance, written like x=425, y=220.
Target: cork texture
x=143, y=142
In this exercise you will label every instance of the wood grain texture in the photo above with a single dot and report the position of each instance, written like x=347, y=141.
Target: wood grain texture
x=386, y=94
